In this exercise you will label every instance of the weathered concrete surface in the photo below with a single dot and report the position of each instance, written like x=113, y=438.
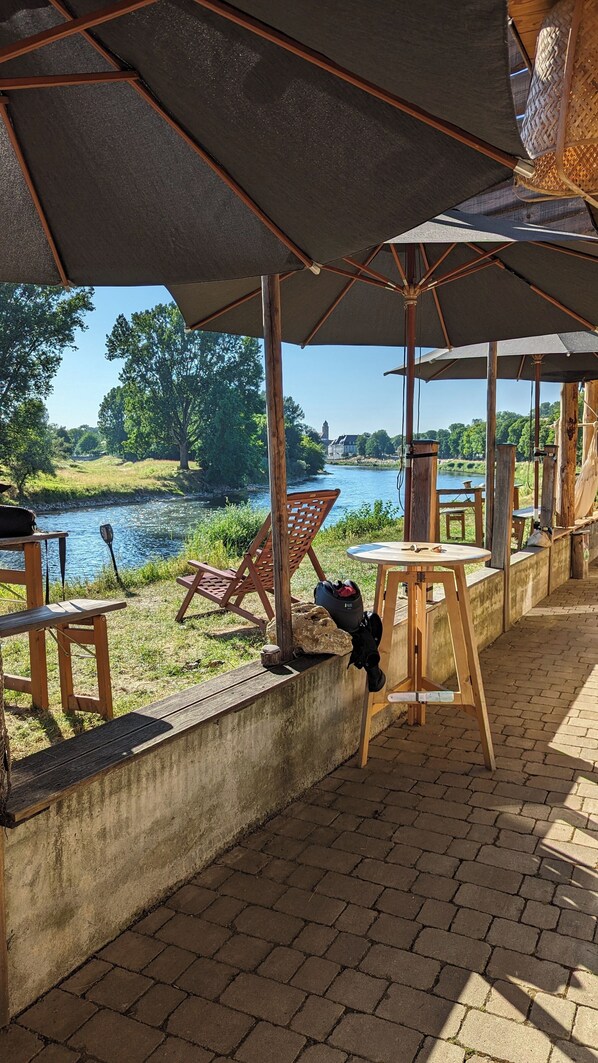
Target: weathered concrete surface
x=422, y=909
x=81, y=871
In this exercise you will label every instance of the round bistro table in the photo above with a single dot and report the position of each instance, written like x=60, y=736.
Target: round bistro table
x=419, y=565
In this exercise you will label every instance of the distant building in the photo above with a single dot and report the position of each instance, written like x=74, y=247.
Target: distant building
x=325, y=437
x=343, y=447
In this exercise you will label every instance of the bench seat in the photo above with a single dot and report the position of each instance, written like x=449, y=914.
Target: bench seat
x=45, y=616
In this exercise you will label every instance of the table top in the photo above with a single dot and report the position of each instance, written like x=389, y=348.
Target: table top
x=525, y=513
x=425, y=555
x=13, y=541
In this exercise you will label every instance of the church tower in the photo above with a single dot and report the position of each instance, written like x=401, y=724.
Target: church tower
x=325, y=434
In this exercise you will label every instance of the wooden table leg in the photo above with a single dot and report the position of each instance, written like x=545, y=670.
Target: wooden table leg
x=411, y=644
x=385, y=604
x=37, y=639
x=421, y=644
x=474, y=668
x=65, y=667
x=100, y=630
x=4, y=1001
x=479, y=519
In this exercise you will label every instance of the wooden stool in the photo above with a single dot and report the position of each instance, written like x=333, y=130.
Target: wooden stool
x=89, y=632
x=452, y=515
x=422, y=565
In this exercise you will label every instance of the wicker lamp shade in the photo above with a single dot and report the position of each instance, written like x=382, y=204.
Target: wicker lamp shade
x=560, y=126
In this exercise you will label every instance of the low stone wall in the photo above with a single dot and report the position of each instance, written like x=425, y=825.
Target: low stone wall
x=80, y=870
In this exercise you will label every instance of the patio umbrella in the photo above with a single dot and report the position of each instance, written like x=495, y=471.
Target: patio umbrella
x=145, y=141
x=513, y=280
x=154, y=141
x=565, y=358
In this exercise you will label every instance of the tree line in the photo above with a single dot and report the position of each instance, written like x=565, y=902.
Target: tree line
x=187, y=396
x=468, y=441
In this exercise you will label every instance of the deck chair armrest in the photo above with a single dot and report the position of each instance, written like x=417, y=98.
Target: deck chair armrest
x=201, y=567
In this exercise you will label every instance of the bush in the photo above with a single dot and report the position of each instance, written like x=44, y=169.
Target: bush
x=225, y=534
x=366, y=520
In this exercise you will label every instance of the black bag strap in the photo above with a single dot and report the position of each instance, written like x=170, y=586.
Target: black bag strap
x=62, y=560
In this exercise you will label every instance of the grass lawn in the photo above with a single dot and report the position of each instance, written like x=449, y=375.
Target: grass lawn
x=151, y=655
x=107, y=478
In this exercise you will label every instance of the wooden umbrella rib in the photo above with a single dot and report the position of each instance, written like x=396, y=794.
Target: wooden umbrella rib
x=473, y=268
x=220, y=172
x=340, y=297
x=384, y=285
x=398, y=263
x=273, y=36
x=74, y=25
x=49, y=81
x=520, y=367
x=466, y=266
x=235, y=303
x=431, y=269
x=443, y=369
x=371, y=272
x=436, y=297
x=566, y=251
x=12, y=136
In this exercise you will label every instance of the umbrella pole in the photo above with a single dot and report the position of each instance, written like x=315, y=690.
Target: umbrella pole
x=277, y=463
x=490, y=438
x=410, y=324
x=537, y=388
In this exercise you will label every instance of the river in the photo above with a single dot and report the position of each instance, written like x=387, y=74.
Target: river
x=158, y=528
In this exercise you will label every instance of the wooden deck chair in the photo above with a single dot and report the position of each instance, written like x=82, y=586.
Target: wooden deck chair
x=307, y=512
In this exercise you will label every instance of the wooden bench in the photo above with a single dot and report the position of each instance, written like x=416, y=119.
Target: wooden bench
x=81, y=622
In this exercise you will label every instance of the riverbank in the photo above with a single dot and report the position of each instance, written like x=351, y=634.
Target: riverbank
x=444, y=464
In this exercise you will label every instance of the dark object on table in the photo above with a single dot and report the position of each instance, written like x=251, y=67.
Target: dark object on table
x=4, y=487
x=366, y=640
x=16, y=521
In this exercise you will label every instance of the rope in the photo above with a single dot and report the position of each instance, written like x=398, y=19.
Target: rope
x=5, y=758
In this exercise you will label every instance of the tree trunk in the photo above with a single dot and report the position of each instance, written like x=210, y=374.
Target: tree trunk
x=184, y=454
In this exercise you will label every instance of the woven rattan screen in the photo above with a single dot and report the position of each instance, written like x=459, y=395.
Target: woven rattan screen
x=560, y=127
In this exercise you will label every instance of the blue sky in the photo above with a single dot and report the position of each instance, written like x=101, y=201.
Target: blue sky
x=344, y=385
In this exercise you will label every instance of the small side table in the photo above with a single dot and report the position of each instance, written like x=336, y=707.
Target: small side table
x=418, y=565
x=32, y=579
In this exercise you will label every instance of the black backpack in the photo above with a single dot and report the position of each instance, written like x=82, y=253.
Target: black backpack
x=16, y=521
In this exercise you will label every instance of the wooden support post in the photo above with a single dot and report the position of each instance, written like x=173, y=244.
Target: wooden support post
x=490, y=438
x=423, y=490
x=277, y=463
x=37, y=639
x=565, y=499
x=580, y=555
x=4, y=1004
x=548, y=486
x=590, y=410
x=503, y=518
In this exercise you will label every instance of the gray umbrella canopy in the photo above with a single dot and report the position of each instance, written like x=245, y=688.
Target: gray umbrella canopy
x=475, y=279
x=563, y=359
x=146, y=141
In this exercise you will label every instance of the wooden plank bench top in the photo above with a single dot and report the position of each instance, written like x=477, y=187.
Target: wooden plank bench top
x=45, y=616
x=16, y=541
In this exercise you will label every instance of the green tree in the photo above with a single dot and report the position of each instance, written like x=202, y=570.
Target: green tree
x=379, y=445
x=89, y=443
x=178, y=384
x=62, y=443
x=312, y=453
x=36, y=326
x=444, y=443
x=361, y=443
x=28, y=443
x=473, y=440
x=456, y=431
x=111, y=421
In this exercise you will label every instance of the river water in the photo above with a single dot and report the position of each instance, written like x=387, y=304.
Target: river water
x=158, y=528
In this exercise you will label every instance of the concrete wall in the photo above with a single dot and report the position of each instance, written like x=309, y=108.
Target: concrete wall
x=79, y=872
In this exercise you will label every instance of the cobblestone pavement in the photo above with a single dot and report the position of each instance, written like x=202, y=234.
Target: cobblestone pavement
x=421, y=909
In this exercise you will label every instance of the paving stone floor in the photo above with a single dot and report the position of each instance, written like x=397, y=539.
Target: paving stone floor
x=421, y=909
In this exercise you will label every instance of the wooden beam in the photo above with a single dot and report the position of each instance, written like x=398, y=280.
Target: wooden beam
x=51, y=81
x=289, y=44
x=565, y=503
x=590, y=414
x=503, y=519
x=4, y=1000
x=423, y=491
x=67, y=29
x=277, y=464
x=548, y=486
x=490, y=438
